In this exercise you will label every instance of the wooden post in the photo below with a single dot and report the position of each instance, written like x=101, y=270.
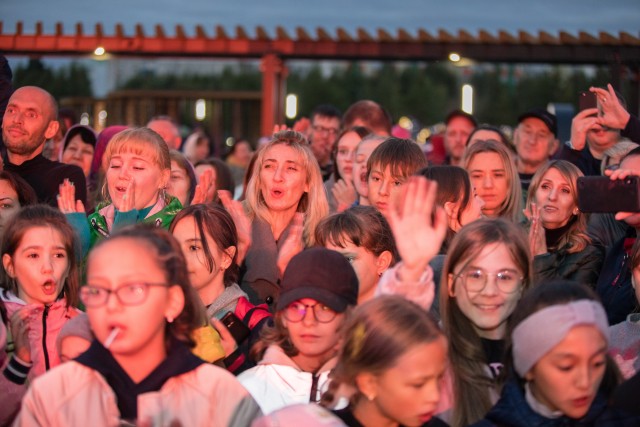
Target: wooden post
x=274, y=74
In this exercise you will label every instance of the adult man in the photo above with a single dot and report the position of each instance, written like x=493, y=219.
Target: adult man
x=536, y=141
x=325, y=126
x=167, y=129
x=31, y=119
x=459, y=127
x=589, y=141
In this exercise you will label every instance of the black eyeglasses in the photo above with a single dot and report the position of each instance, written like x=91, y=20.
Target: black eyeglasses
x=127, y=294
x=323, y=130
x=475, y=280
x=296, y=311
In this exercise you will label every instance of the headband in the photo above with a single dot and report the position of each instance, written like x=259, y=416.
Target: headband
x=543, y=330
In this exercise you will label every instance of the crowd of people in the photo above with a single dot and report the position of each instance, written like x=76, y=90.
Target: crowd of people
x=338, y=275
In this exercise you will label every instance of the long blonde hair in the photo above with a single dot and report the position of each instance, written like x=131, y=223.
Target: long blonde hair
x=471, y=382
x=512, y=206
x=313, y=203
x=575, y=238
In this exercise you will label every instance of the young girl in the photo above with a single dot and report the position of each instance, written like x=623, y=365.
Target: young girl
x=14, y=194
x=138, y=167
x=494, y=176
x=361, y=157
x=182, y=182
x=297, y=354
x=39, y=288
x=563, y=376
x=389, y=167
x=139, y=369
x=558, y=234
x=393, y=358
x=364, y=237
x=486, y=271
x=209, y=242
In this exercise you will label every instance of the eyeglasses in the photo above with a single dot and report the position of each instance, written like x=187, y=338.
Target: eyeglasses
x=128, y=294
x=296, y=311
x=475, y=280
x=324, y=130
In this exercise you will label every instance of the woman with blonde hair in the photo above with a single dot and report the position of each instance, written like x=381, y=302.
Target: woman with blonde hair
x=558, y=235
x=494, y=175
x=488, y=268
x=285, y=201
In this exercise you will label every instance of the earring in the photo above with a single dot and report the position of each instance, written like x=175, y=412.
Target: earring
x=371, y=397
x=169, y=319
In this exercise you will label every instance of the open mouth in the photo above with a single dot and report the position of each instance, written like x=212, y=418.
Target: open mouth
x=49, y=287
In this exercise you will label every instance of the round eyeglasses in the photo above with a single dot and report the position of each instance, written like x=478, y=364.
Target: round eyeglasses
x=475, y=280
x=127, y=294
x=296, y=311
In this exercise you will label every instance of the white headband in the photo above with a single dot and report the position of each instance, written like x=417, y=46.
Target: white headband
x=543, y=330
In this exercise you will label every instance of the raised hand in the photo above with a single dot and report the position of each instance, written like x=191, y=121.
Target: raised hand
x=67, y=202
x=418, y=225
x=128, y=201
x=294, y=243
x=537, y=238
x=229, y=343
x=345, y=194
x=613, y=114
x=19, y=326
x=581, y=123
x=622, y=174
x=241, y=220
x=204, y=189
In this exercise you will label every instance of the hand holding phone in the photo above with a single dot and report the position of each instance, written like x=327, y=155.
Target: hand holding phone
x=602, y=194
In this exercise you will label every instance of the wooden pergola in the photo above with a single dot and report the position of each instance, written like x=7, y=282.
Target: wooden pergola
x=620, y=52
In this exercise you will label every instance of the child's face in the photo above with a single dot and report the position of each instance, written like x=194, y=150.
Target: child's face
x=206, y=282
x=488, y=309
x=127, y=265
x=567, y=378
x=383, y=186
x=314, y=339
x=346, y=153
x=408, y=392
x=39, y=265
x=489, y=177
x=147, y=176
x=363, y=152
x=178, y=185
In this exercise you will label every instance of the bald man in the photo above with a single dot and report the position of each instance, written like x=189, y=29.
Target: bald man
x=31, y=119
x=167, y=129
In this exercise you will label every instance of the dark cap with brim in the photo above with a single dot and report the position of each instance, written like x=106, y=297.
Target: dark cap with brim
x=541, y=114
x=320, y=274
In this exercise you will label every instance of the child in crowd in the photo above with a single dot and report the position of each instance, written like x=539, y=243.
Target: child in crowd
x=361, y=158
x=393, y=359
x=495, y=178
x=209, y=243
x=563, y=376
x=39, y=290
x=341, y=193
x=487, y=269
x=138, y=167
x=15, y=192
x=388, y=168
x=138, y=372
x=182, y=182
x=624, y=340
x=74, y=338
x=364, y=237
x=318, y=288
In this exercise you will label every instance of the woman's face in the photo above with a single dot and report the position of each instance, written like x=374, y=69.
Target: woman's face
x=283, y=179
x=489, y=308
x=179, y=184
x=555, y=200
x=313, y=339
x=142, y=172
x=567, y=378
x=39, y=265
x=9, y=203
x=489, y=177
x=408, y=393
x=345, y=154
x=363, y=152
x=127, y=265
x=367, y=265
x=78, y=153
x=205, y=281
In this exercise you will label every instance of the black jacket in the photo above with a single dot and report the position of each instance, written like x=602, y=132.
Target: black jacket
x=582, y=267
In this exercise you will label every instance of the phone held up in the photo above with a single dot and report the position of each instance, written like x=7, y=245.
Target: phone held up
x=599, y=194
x=238, y=330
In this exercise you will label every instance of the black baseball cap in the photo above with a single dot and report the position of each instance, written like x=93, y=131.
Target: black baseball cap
x=320, y=274
x=547, y=118
x=459, y=113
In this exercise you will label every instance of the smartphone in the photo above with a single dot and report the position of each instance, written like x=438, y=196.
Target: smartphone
x=239, y=331
x=603, y=195
x=587, y=100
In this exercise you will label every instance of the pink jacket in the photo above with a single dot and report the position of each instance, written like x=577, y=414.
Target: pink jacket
x=44, y=326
